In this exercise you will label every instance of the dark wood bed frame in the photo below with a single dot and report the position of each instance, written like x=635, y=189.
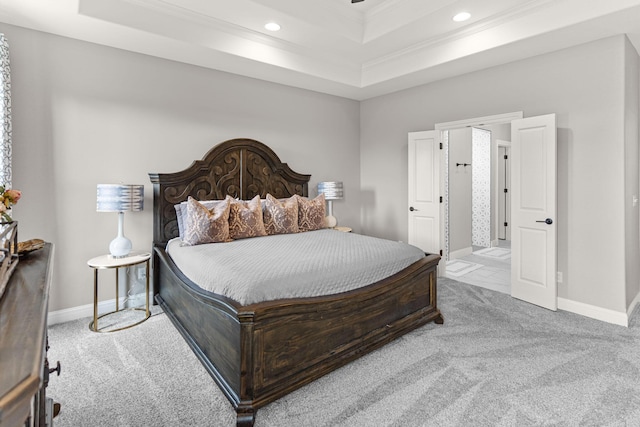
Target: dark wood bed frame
x=260, y=352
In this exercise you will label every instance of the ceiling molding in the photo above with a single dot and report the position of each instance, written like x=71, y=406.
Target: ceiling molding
x=96, y=9
x=393, y=15
x=228, y=36
x=382, y=8
x=476, y=28
x=331, y=46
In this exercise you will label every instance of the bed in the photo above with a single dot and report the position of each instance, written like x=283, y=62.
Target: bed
x=260, y=351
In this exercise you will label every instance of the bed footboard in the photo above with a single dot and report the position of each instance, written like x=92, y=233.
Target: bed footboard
x=291, y=343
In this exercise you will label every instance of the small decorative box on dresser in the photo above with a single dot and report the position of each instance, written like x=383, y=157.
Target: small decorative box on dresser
x=24, y=369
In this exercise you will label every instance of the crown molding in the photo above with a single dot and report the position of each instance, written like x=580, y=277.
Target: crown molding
x=326, y=56
x=495, y=21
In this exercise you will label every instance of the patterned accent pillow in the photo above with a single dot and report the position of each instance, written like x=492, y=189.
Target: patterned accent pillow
x=280, y=216
x=245, y=219
x=311, y=213
x=181, y=212
x=202, y=225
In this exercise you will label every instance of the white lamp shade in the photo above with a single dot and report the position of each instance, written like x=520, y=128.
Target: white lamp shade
x=332, y=190
x=120, y=198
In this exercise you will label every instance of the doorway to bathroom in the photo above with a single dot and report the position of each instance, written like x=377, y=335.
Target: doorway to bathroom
x=477, y=206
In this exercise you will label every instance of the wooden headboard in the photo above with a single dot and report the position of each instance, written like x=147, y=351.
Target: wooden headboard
x=241, y=168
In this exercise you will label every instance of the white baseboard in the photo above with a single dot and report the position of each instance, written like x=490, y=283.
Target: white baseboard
x=460, y=253
x=598, y=313
x=633, y=305
x=75, y=313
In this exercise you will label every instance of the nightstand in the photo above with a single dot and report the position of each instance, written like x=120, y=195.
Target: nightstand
x=343, y=229
x=105, y=262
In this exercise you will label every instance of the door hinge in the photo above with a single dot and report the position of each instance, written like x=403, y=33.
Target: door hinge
x=441, y=145
x=506, y=190
x=440, y=252
x=440, y=199
x=506, y=157
x=506, y=224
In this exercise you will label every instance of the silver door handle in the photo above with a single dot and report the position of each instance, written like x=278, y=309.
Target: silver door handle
x=413, y=209
x=548, y=221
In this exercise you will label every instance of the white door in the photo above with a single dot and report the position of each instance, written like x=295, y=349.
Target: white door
x=533, y=210
x=424, y=191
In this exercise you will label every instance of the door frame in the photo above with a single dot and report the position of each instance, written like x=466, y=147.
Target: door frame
x=457, y=124
x=505, y=144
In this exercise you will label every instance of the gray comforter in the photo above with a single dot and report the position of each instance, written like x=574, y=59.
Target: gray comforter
x=314, y=263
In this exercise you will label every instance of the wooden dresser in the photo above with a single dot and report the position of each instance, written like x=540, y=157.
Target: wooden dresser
x=24, y=370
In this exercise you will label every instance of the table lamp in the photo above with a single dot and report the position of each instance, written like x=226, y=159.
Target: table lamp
x=120, y=198
x=332, y=191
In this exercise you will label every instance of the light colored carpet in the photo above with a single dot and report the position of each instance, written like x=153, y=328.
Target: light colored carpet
x=496, y=361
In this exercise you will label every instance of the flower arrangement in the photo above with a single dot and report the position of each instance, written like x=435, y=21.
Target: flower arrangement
x=8, y=198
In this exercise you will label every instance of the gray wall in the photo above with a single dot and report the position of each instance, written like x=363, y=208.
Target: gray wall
x=498, y=132
x=632, y=178
x=85, y=114
x=585, y=87
x=460, y=187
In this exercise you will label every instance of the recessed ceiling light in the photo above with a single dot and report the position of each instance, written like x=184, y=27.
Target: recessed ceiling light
x=462, y=16
x=272, y=26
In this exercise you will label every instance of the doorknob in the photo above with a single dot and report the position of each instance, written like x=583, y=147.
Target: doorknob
x=547, y=221
x=413, y=209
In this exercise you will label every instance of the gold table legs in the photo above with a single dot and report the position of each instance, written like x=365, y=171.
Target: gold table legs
x=94, y=324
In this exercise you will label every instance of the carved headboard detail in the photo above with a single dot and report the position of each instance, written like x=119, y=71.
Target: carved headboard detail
x=241, y=168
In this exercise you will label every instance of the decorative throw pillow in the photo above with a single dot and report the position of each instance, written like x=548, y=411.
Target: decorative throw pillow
x=280, y=216
x=245, y=219
x=311, y=213
x=202, y=225
x=181, y=212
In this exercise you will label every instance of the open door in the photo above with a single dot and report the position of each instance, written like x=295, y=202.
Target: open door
x=424, y=191
x=533, y=211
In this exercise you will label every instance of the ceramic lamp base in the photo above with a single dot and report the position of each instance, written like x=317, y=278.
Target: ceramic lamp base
x=330, y=221
x=120, y=247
